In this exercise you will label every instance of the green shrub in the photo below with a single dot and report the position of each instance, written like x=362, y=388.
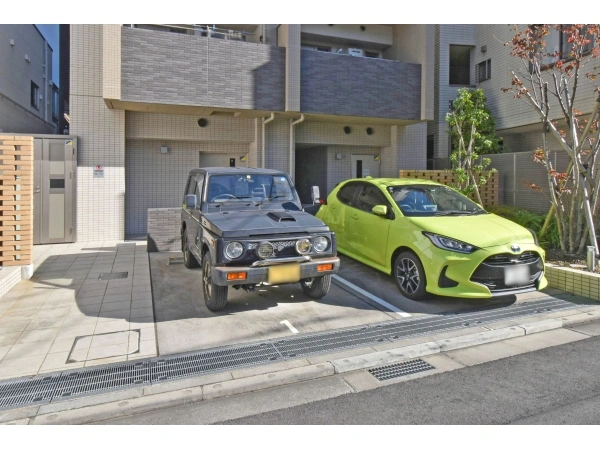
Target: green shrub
x=532, y=220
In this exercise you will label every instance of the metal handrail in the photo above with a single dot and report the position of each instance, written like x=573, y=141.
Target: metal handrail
x=210, y=30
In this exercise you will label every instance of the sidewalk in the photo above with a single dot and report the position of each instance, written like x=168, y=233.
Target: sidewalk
x=68, y=315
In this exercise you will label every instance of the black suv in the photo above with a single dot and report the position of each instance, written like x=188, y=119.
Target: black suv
x=247, y=228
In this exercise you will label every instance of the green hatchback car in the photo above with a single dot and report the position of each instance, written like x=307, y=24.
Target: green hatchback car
x=432, y=239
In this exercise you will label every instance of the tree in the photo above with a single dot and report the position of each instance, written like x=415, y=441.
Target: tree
x=472, y=130
x=549, y=82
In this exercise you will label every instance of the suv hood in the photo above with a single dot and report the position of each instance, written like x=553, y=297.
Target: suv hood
x=266, y=222
x=485, y=230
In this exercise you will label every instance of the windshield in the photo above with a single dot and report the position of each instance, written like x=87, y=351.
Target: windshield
x=244, y=187
x=432, y=200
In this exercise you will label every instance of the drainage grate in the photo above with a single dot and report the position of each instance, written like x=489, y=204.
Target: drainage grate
x=29, y=391
x=191, y=364
x=400, y=369
x=89, y=381
x=113, y=276
x=106, y=378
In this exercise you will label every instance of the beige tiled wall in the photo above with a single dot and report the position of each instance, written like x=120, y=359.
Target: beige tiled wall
x=111, y=61
x=101, y=140
x=289, y=37
x=574, y=281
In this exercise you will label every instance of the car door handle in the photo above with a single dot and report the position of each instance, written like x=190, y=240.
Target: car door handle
x=354, y=216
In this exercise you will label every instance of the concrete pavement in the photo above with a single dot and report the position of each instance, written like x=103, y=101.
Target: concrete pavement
x=66, y=317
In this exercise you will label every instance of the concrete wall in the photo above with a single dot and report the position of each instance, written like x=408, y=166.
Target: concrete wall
x=366, y=87
x=192, y=70
x=16, y=74
x=101, y=140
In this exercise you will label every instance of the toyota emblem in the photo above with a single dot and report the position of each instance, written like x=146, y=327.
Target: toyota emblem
x=515, y=248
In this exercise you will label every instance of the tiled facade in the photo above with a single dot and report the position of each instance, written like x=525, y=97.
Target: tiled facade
x=134, y=91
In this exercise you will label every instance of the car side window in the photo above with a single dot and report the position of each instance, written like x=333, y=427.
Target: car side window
x=191, y=189
x=187, y=187
x=346, y=194
x=370, y=196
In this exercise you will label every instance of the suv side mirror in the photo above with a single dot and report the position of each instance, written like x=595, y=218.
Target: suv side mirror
x=315, y=194
x=190, y=201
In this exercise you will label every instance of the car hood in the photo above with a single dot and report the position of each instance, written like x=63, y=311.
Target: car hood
x=485, y=230
x=257, y=223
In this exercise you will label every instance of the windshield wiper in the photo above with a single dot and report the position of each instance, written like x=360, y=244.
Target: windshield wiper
x=459, y=213
x=268, y=199
x=237, y=197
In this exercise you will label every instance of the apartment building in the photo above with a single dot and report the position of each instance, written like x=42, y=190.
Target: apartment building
x=474, y=56
x=321, y=102
x=28, y=96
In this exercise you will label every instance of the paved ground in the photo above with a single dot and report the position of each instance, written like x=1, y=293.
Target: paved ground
x=545, y=378
x=65, y=317
x=65, y=313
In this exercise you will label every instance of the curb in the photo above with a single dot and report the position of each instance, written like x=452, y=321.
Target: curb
x=138, y=400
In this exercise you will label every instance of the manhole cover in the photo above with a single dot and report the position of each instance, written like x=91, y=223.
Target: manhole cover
x=400, y=369
x=113, y=276
x=105, y=345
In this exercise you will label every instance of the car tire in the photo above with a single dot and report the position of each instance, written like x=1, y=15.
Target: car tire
x=189, y=260
x=316, y=287
x=215, y=297
x=410, y=276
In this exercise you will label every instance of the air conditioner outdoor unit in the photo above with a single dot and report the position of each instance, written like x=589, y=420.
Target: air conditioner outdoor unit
x=356, y=52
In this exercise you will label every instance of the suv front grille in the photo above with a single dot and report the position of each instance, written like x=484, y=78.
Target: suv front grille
x=504, y=259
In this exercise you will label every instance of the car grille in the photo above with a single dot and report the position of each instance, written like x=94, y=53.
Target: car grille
x=504, y=259
x=490, y=272
x=282, y=249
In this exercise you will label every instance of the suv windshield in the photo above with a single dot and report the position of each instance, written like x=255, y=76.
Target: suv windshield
x=243, y=187
x=432, y=200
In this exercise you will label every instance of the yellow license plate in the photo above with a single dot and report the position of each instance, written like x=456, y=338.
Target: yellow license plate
x=284, y=273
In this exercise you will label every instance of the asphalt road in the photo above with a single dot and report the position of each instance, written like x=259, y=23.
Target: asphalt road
x=556, y=385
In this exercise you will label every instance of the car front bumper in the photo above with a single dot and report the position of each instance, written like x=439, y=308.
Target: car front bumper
x=259, y=272
x=469, y=276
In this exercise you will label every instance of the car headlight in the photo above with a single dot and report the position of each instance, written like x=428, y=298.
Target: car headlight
x=320, y=244
x=453, y=245
x=535, y=239
x=265, y=250
x=303, y=246
x=234, y=250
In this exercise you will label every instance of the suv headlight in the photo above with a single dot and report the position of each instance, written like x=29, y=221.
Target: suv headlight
x=234, y=250
x=320, y=244
x=453, y=245
x=303, y=246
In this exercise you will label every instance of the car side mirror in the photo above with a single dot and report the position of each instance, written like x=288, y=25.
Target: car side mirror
x=315, y=195
x=380, y=210
x=190, y=201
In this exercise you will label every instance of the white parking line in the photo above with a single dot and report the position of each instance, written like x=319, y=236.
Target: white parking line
x=289, y=325
x=372, y=297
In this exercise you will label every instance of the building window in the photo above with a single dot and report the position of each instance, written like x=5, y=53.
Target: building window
x=35, y=95
x=324, y=49
x=460, y=65
x=178, y=30
x=371, y=54
x=55, y=103
x=484, y=70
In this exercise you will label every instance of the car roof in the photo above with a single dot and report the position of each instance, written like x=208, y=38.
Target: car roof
x=383, y=182
x=229, y=170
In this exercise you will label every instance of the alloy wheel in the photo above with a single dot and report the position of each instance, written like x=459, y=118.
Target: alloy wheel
x=207, y=280
x=408, y=275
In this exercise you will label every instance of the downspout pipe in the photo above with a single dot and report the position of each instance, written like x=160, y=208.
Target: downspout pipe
x=292, y=125
x=264, y=137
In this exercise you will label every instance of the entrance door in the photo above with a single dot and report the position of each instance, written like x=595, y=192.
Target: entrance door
x=365, y=166
x=223, y=159
x=54, y=174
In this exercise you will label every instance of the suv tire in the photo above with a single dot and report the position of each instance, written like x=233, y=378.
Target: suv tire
x=316, y=287
x=189, y=260
x=215, y=297
x=410, y=276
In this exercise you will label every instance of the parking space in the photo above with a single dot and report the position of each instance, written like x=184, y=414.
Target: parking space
x=359, y=295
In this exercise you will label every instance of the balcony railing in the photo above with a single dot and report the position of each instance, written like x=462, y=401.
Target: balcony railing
x=198, y=30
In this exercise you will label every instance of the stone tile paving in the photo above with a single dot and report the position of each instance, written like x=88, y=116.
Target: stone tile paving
x=65, y=317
